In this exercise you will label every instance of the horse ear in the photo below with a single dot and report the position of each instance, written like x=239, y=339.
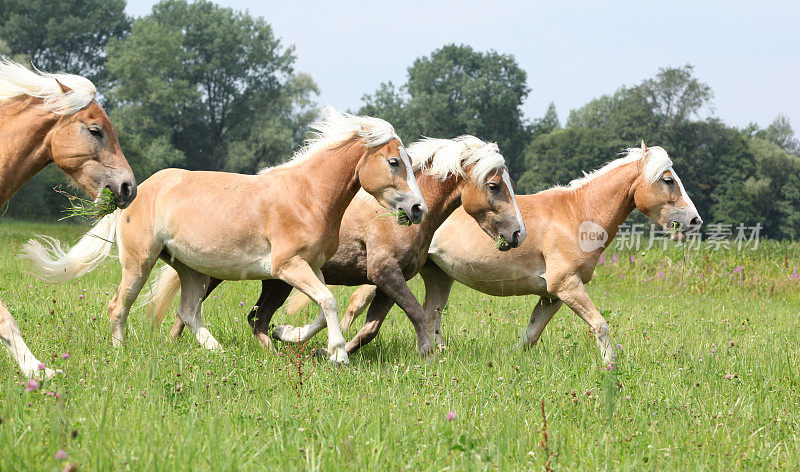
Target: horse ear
x=644, y=150
x=64, y=88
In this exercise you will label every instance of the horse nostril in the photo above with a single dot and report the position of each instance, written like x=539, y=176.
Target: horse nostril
x=127, y=192
x=696, y=221
x=416, y=210
x=515, y=238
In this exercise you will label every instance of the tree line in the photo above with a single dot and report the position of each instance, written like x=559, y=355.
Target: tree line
x=198, y=86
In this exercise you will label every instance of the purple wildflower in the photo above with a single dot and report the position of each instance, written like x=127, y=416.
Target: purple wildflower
x=61, y=455
x=450, y=416
x=41, y=366
x=31, y=385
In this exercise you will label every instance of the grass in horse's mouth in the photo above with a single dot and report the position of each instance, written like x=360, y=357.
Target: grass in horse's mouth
x=501, y=241
x=402, y=217
x=103, y=205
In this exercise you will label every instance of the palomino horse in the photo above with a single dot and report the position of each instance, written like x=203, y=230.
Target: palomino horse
x=48, y=118
x=571, y=226
x=450, y=172
x=283, y=223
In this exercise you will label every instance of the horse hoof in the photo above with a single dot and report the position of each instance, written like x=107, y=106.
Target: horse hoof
x=265, y=342
x=50, y=373
x=339, y=357
x=45, y=374
x=321, y=352
x=278, y=332
x=426, y=351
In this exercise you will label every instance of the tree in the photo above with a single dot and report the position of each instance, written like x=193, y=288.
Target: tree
x=780, y=132
x=547, y=123
x=768, y=194
x=672, y=97
x=675, y=95
x=208, y=87
x=457, y=90
x=558, y=157
x=64, y=35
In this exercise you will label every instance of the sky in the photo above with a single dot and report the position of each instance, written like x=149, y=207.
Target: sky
x=747, y=51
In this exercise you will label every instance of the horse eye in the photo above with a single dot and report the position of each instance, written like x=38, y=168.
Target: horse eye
x=394, y=162
x=95, y=131
x=669, y=180
x=493, y=186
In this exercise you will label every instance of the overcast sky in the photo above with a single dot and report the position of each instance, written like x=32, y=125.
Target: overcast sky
x=748, y=51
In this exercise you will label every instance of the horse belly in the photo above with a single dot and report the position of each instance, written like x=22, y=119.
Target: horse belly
x=233, y=263
x=500, y=276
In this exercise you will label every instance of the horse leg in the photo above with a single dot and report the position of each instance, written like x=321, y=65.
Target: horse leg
x=392, y=283
x=177, y=327
x=542, y=314
x=194, y=288
x=135, y=269
x=437, y=291
x=573, y=293
x=12, y=339
x=301, y=276
x=273, y=294
x=378, y=309
x=359, y=301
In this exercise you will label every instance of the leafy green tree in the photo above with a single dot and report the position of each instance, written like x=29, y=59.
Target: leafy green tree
x=64, y=35
x=672, y=97
x=547, y=123
x=457, y=90
x=707, y=153
x=565, y=154
x=767, y=194
x=780, y=132
x=675, y=95
x=207, y=88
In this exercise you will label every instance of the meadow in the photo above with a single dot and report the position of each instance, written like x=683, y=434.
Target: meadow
x=705, y=378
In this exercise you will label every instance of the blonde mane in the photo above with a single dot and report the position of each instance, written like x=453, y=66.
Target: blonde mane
x=334, y=127
x=442, y=158
x=657, y=161
x=16, y=81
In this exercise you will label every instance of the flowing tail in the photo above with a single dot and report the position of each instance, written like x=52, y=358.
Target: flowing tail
x=296, y=302
x=161, y=293
x=359, y=301
x=299, y=300
x=57, y=265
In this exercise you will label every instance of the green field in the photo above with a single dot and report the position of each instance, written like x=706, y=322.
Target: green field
x=706, y=379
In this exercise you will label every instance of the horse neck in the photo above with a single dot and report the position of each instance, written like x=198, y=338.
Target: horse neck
x=442, y=197
x=332, y=180
x=24, y=144
x=608, y=198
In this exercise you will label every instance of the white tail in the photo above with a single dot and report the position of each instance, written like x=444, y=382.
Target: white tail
x=296, y=302
x=57, y=265
x=161, y=293
x=299, y=300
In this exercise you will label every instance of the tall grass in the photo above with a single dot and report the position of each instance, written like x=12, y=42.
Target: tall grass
x=705, y=378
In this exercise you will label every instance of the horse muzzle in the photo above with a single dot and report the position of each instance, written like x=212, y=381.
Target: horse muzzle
x=124, y=192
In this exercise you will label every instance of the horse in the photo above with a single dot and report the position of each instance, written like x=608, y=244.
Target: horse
x=571, y=227
x=282, y=223
x=450, y=172
x=54, y=118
